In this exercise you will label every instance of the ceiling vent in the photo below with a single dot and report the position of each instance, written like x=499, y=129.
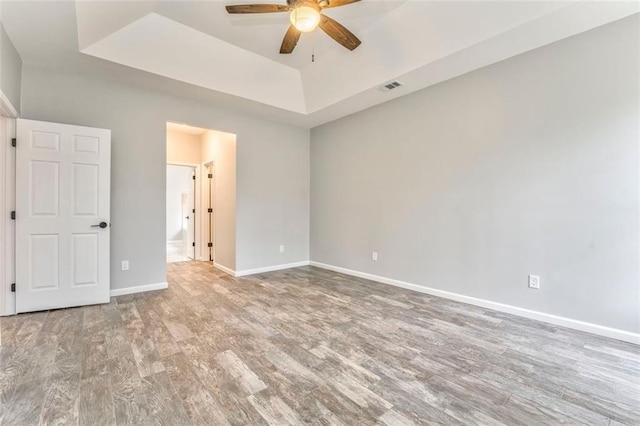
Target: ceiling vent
x=390, y=86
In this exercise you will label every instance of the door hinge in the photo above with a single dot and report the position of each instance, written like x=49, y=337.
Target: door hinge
x=210, y=210
x=209, y=244
x=193, y=177
x=210, y=176
x=193, y=244
x=193, y=211
x=13, y=287
x=13, y=215
x=14, y=142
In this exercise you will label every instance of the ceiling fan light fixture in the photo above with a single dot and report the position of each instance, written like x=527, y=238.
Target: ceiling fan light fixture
x=305, y=17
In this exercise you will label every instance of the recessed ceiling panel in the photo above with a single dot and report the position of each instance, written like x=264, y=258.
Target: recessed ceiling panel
x=262, y=33
x=161, y=46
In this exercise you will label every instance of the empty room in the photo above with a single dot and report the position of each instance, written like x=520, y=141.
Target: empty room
x=323, y=212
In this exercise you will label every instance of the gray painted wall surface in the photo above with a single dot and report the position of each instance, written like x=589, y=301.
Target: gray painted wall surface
x=529, y=166
x=273, y=187
x=10, y=70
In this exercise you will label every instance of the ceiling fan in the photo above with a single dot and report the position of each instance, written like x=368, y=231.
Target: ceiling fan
x=305, y=16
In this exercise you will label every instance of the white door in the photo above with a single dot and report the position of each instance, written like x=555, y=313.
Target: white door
x=186, y=214
x=191, y=217
x=62, y=215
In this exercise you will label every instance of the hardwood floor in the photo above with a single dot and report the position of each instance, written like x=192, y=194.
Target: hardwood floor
x=305, y=346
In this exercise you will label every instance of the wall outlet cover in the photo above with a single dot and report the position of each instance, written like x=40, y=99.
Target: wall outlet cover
x=125, y=265
x=374, y=256
x=534, y=281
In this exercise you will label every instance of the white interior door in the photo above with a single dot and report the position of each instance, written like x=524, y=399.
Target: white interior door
x=186, y=214
x=191, y=217
x=62, y=215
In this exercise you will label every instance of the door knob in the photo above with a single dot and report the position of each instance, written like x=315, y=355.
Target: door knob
x=100, y=225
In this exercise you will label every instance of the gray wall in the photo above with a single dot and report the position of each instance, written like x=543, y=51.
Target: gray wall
x=10, y=70
x=137, y=119
x=529, y=166
x=273, y=191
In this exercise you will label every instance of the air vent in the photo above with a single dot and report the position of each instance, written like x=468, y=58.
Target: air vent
x=390, y=86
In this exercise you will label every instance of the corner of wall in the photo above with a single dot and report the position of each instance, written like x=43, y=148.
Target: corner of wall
x=10, y=76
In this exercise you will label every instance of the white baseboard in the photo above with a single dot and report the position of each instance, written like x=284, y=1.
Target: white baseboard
x=138, y=289
x=260, y=270
x=271, y=268
x=600, y=330
x=224, y=269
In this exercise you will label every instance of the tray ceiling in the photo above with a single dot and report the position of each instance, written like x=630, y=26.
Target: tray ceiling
x=419, y=43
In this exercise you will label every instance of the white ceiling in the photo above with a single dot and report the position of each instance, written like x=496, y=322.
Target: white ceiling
x=196, y=49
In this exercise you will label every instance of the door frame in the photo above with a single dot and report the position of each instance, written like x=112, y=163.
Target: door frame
x=208, y=228
x=7, y=204
x=198, y=206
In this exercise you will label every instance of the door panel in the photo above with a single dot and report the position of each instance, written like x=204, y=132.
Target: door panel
x=44, y=255
x=63, y=183
x=85, y=189
x=84, y=248
x=89, y=144
x=45, y=140
x=43, y=182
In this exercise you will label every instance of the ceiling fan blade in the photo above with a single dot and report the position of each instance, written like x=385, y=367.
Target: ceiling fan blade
x=290, y=40
x=339, y=33
x=338, y=3
x=257, y=8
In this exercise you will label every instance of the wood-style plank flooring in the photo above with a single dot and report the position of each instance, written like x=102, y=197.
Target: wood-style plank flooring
x=305, y=346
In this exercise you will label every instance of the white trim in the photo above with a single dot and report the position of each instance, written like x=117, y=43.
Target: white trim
x=259, y=270
x=271, y=268
x=600, y=330
x=7, y=203
x=205, y=234
x=138, y=289
x=6, y=107
x=224, y=269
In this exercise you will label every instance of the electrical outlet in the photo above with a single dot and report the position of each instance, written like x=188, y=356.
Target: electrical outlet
x=124, y=265
x=534, y=281
x=374, y=256
x=281, y=248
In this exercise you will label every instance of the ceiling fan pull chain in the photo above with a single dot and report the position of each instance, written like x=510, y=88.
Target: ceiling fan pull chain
x=313, y=47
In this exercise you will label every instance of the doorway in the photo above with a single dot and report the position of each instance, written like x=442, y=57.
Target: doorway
x=181, y=213
x=211, y=154
x=190, y=194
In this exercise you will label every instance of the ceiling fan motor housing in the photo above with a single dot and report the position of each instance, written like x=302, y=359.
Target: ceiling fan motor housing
x=316, y=4
x=305, y=16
